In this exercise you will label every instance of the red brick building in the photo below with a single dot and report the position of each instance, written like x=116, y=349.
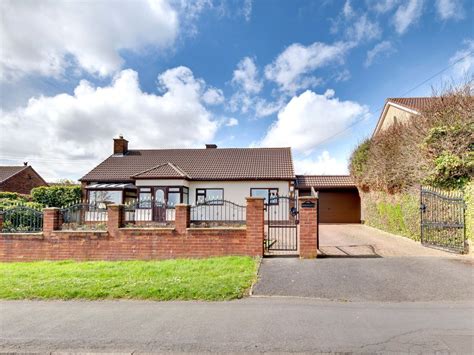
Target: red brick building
x=19, y=179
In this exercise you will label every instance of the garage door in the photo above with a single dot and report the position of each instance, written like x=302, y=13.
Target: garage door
x=339, y=206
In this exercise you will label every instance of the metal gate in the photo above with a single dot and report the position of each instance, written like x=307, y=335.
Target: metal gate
x=443, y=219
x=281, y=222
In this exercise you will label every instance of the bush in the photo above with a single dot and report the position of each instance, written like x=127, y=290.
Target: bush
x=435, y=148
x=56, y=196
x=358, y=164
x=6, y=195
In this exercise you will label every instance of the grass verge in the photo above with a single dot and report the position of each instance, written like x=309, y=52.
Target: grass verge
x=212, y=279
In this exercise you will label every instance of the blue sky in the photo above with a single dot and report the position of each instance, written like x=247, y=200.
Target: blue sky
x=235, y=73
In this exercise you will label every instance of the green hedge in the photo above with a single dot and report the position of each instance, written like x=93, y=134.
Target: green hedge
x=469, y=198
x=397, y=214
x=56, y=196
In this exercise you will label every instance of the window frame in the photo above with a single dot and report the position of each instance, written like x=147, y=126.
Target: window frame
x=205, y=189
x=267, y=199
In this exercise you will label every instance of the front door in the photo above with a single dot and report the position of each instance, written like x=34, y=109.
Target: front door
x=159, y=205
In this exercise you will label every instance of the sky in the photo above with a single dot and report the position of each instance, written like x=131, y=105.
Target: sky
x=310, y=75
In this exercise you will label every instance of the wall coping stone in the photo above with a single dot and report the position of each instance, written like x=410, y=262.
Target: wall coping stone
x=254, y=198
x=215, y=228
x=147, y=229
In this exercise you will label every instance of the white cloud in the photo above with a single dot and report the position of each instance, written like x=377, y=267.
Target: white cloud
x=347, y=10
x=449, y=9
x=232, y=122
x=76, y=130
x=288, y=70
x=247, y=10
x=464, y=59
x=382, y=6
x=323, y=164
x=246, y=76
x=213, y=96
x=383, y=48
x=48, y=37
x=364, y=29
x=407, y=15
x=309, y=119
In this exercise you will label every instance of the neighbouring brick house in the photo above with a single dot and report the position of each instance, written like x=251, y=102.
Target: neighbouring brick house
x=20, y=179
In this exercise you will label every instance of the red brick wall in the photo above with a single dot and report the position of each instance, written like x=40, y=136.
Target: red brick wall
x=128, y=244
x=23, y=182
x=308, y=225
x=135, y=243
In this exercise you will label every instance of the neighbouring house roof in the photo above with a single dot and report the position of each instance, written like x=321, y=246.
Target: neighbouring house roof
x=324, y=181
x=6, y=172
x=197, y=164
x=163, y=171
x=413, y=105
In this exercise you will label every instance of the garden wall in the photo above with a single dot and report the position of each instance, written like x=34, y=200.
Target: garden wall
x=118, y=243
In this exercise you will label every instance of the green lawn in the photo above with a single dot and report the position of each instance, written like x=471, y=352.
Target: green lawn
x=181, y=279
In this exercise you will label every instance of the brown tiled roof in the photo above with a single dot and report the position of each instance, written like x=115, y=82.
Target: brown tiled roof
x=414, y=103
x=320, y=181
x=167, y=170
x=7, y=172
x=200, y=164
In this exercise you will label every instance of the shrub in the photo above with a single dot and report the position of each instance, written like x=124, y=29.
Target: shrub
x=358, y=164
x=56, y=196
x=435, y=148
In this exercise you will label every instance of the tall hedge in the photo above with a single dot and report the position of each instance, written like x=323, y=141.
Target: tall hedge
x=56, y=196
x=435, y=148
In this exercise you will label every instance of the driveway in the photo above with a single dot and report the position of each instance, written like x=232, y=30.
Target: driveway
x=359, y=263
x=395, y=279
x=362, y=240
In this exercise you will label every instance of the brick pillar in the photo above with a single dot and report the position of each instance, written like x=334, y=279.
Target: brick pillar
x=115, y=218
x=51, y=220
x=308, y=215
x=255, y=226
x=182, y=217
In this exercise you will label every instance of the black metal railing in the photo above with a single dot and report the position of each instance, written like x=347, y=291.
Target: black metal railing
x=443, y=219
x=84, y=216
x=149, y=213
x=281, y=225
x=21, y=219
x=217, y=213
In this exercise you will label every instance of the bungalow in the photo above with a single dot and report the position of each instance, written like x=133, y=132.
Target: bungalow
x=171, y=176
x=401, y=109
x=21, y=179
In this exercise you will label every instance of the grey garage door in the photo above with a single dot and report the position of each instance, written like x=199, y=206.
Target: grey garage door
x=339, y=206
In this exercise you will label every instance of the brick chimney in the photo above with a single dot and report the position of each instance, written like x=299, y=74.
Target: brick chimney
x=120, y=145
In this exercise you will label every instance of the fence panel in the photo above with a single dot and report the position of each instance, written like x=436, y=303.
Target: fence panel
x=217, y=213
x=21, y=219
x=84, y=216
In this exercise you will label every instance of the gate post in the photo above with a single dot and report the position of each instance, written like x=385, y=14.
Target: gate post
x=255, y=221
x=308, y=217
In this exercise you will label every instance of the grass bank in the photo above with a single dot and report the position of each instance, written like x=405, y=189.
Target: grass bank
x=212, y=279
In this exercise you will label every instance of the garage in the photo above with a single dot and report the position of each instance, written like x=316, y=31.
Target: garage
x=339, y=200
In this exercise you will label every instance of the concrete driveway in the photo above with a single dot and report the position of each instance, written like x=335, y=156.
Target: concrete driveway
x=362, y=240
x=360, y=263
